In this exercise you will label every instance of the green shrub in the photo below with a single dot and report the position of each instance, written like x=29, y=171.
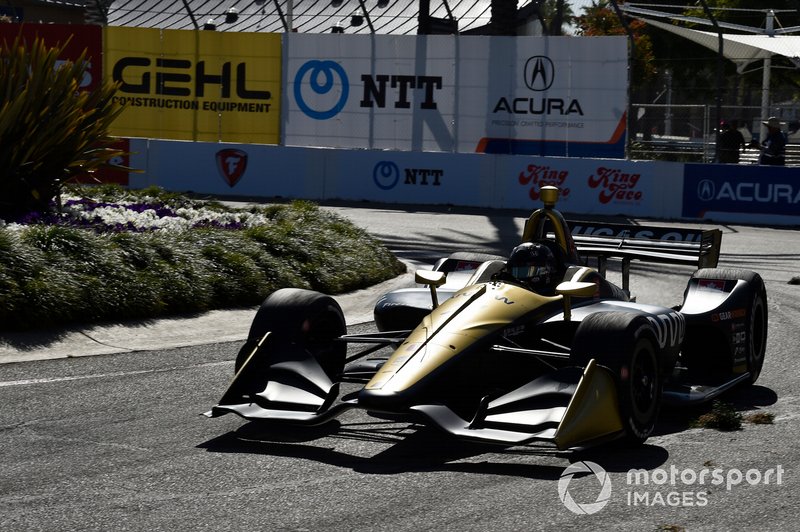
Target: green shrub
x=55, y=274
x=723, y=416
x=49, y=130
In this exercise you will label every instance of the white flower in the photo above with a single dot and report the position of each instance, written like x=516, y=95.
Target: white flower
x=185, y=218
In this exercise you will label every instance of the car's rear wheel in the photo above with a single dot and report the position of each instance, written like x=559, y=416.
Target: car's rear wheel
x=626, y=344
x=755, y=314
x=302, y=317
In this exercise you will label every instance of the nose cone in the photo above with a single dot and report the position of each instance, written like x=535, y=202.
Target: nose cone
x=385, y=400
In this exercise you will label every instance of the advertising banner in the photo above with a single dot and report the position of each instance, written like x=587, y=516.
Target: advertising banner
x=741, y=193
x=407, y=177
x=77, y=38
x=588, y=186
x=591, y=186
x=557, y=96
x=190, y=85
x=522, y=95
x=228, y=169
x=370, y=91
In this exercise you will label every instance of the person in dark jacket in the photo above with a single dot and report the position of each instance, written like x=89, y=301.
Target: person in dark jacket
x=731, y=143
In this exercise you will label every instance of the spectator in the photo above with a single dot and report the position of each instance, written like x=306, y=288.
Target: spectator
x=731, y=142
x=773, y=147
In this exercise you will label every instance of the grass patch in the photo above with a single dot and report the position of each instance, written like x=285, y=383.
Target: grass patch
x=760, y=418
x=723, y=416
x=56, y=274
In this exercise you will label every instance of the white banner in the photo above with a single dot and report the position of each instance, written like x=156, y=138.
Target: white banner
x=562, y=96
x=521, y=95
x=370, y=91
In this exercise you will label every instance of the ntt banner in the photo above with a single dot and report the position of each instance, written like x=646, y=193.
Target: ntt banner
x=191, y=85
x=522, y=95
x=371, y=91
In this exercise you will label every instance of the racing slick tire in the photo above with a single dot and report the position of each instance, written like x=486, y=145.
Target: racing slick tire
x=755, y=317
x=625, y=343
x=305, y=317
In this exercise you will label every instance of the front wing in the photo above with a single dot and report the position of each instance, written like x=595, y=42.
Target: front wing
x=568, y=407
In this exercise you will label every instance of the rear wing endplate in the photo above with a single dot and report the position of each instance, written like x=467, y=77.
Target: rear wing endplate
x=669, y=245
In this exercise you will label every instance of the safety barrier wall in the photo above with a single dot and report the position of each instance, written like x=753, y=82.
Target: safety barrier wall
x=742, y=193
x=589, y=186
x=651, y=189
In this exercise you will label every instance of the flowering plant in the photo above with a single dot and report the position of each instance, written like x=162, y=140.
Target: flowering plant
x=110, y=253
x=148, y=210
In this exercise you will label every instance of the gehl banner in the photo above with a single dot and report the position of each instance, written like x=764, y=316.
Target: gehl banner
x=189, y=85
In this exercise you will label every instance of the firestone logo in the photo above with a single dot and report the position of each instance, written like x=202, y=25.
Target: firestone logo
x=614, y=184
x=536, y=176
x=231, y=164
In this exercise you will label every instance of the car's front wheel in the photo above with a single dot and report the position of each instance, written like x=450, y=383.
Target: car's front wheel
x=304, y=318
x=625, y=343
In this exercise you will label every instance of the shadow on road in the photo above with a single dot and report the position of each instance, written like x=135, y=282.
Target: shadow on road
x=409, y=447
x=414, y=448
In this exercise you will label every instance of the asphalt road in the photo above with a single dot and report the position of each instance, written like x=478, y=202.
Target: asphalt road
x=117, y=442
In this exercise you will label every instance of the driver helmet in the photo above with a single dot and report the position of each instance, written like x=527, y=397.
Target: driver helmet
x=533, y=265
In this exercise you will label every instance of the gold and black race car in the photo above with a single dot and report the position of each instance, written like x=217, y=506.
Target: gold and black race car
x=536, y=347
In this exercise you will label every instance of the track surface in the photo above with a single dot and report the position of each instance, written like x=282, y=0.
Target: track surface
x=117, y=443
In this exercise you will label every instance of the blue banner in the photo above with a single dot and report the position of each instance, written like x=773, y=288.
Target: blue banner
x=769, y=190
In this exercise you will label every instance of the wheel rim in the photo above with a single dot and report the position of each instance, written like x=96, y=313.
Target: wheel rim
x=320, y=331
x=757, y=337
x=644, y=384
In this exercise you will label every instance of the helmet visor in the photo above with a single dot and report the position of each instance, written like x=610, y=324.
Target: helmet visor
x=529, y=271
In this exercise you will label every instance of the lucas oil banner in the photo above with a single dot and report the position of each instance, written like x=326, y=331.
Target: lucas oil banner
x=561, y=96
x=190, y=85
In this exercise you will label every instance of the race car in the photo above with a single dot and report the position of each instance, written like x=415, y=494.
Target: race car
x=536, y=347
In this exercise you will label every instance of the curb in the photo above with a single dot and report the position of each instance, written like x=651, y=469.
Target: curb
x=216, y=326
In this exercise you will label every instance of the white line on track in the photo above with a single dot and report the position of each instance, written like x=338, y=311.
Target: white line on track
x=26, y=382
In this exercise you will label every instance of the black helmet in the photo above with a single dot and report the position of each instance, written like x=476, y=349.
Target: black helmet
x=533, y=265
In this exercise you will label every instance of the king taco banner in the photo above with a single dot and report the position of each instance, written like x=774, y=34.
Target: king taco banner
x=190, y=85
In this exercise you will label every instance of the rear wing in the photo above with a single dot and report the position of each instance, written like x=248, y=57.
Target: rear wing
x=668, y=245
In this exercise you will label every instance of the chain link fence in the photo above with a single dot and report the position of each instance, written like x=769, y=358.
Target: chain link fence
x=687, y=133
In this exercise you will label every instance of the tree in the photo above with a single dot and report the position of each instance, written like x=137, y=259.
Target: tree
x=556, y=14
x=504, y=15
x=50, y=131
x=600, y=19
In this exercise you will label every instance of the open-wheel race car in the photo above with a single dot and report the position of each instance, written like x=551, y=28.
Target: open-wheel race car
x=536, y=347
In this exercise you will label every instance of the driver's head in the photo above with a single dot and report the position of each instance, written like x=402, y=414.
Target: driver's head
x=533, y=265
